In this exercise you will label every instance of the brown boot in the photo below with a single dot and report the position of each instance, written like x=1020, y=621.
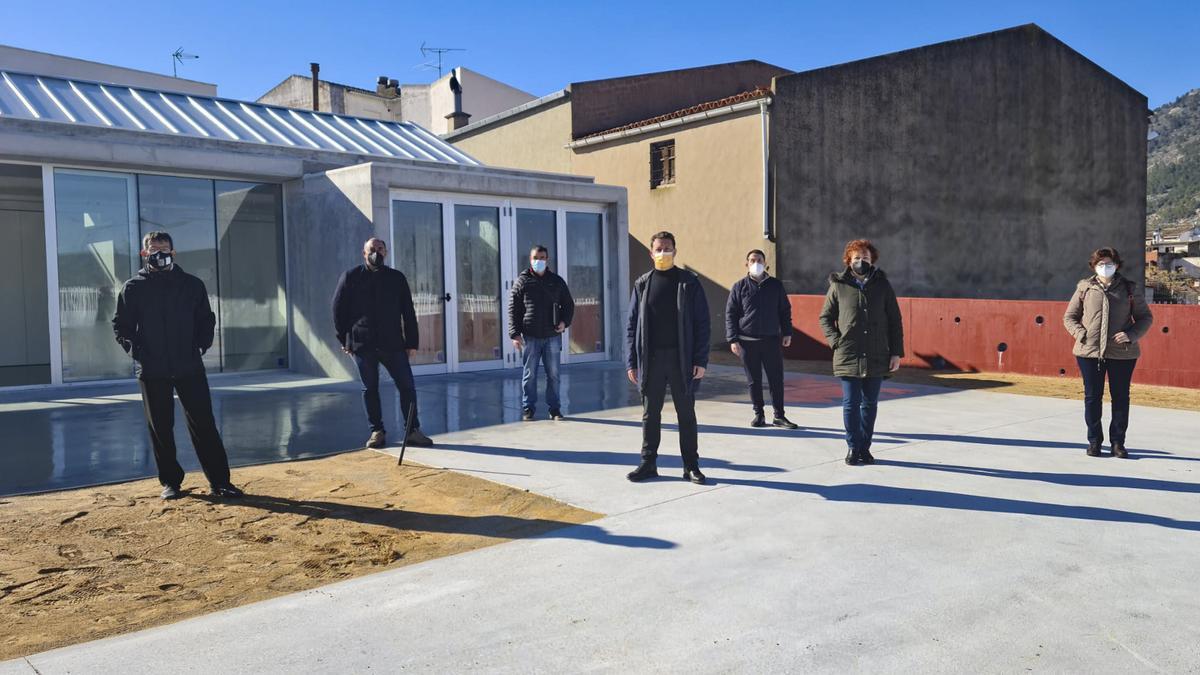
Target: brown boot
x=1093, y=450
x=377, y=440
x=1119, y=451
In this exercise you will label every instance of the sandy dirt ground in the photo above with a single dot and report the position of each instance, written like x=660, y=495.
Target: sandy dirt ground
x=85, y=564
x=1069, y=386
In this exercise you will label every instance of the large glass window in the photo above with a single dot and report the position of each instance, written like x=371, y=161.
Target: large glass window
x=253, y=306
x=417, y=252
x=96, y=254
x=585, y=256
x=477, y=249
x=184, y=208
x=24, y=330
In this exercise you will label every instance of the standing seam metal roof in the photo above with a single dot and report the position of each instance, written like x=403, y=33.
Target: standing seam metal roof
x=70, y=101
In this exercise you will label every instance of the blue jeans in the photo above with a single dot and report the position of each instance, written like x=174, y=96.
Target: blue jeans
x=860, y=401
x=368, y=361
x=546, y=352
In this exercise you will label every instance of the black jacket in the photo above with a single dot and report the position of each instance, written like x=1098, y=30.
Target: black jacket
x=757, y=309
x=374, y=309
x=164, y=321
x=538, y=304
x=694, y=328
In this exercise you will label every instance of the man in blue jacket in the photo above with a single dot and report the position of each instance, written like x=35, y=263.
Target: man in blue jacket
x=376, y=323
x=666, y=340
x=758, y=325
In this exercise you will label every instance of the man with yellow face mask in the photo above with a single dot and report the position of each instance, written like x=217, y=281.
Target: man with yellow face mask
x=667, y=340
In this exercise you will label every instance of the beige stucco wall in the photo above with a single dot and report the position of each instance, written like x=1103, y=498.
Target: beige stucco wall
x=714, y=208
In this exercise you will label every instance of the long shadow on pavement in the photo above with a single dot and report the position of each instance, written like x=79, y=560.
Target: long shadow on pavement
x=1072, y=479
x=884, y=494
x=597, y=457
x=502, y=527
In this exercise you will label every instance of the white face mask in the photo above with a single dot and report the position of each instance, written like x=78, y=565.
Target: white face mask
x=757, y=269
x=1106, y=271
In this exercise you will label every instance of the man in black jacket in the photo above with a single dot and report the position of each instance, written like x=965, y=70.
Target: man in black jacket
x=666, y=342
x=376, y=323
x=539, y=310
x=165, y=322
x=758, y=325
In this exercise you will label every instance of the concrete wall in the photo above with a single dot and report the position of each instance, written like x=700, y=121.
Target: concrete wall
x=482, y=97
x=41, y=63
x=988, y=167
x=606, y=104
x=535, y=141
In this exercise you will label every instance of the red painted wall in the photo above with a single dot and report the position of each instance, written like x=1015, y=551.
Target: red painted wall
x=965, y=334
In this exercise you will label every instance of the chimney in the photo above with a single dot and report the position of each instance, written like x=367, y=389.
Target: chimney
x=458, y=118
x=316, y=80
x=387, y=88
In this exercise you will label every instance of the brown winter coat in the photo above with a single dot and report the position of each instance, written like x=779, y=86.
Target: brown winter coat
x=1095, y=314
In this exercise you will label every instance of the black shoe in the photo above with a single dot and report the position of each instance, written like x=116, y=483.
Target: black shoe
x=418, y=439
x=171, y=492
x=758, y=421
x=227, y=490
x=852, y=457
x=1093, y=450
x=556, y=414
x=526, y=414
x=377, y=440
x=645, y=471
x=783, y=423
x=866, y=457
x=1119, y=451
x=694, y=476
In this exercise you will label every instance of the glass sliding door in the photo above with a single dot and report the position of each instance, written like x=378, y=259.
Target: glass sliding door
x=97, y=228
x=25, y=329
x=535, y=227
x=585, y=275
x=479, y=303
x=253, y=306
x=418, y=252
x=185, y=208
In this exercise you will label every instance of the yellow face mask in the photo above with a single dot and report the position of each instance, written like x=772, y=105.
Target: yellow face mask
x=664, y=261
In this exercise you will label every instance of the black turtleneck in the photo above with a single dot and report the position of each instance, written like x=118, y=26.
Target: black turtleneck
x=662, y=309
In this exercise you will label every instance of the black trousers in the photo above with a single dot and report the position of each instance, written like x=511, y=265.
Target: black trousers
x=662, y=370
x=194, y=396
x=758, y=355
x=1120, y=374
x=369, y=360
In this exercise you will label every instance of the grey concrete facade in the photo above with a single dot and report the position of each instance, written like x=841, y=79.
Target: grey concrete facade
x=987, y=167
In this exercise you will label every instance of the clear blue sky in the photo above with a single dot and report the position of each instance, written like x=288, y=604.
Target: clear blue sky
x=247, y=47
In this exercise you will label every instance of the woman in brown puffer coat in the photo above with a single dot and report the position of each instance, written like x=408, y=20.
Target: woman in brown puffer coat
x=1107, y=316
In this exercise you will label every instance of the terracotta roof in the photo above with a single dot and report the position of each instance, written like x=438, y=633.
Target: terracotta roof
x=756, y=93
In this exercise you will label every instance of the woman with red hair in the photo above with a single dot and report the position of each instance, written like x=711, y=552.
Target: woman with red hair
x=861, y=321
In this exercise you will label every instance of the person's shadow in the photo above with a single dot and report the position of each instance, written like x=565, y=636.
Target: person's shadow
x=497, y=526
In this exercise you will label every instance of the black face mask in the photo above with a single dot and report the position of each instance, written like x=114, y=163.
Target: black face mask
x=861, y=267
x=159, y=260
x=375, y=259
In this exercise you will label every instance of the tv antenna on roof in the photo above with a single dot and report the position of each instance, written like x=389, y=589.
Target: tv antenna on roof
x=177, y=58
x=426, y=51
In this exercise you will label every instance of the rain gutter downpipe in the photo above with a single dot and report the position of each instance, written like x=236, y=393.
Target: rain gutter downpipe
x=766, y=170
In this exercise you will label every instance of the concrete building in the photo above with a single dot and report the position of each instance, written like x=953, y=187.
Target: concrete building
x=430, y=105
x=268, y=206
x=978, y=165
x=15, y=59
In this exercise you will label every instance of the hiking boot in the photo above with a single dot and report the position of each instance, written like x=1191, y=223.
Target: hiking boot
x=228, y=490
x=418, y=439
x=852, y=457
x=171, y=492
x=866, y=457
x=1119, y=451
x=758, y=421
x=556, y=414
x=526, y=414
x=377, y=440
x=694, y=476
x=1093, y=450
x=645, y=471
x=783, y=423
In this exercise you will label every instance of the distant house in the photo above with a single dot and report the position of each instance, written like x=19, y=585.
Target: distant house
x=985, y=167
x=430, y=105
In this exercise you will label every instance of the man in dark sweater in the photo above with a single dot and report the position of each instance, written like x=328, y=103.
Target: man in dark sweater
x=165, y=322
x=376, y=323
x=539, y=310
x=758, y=325
x=666, y=339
